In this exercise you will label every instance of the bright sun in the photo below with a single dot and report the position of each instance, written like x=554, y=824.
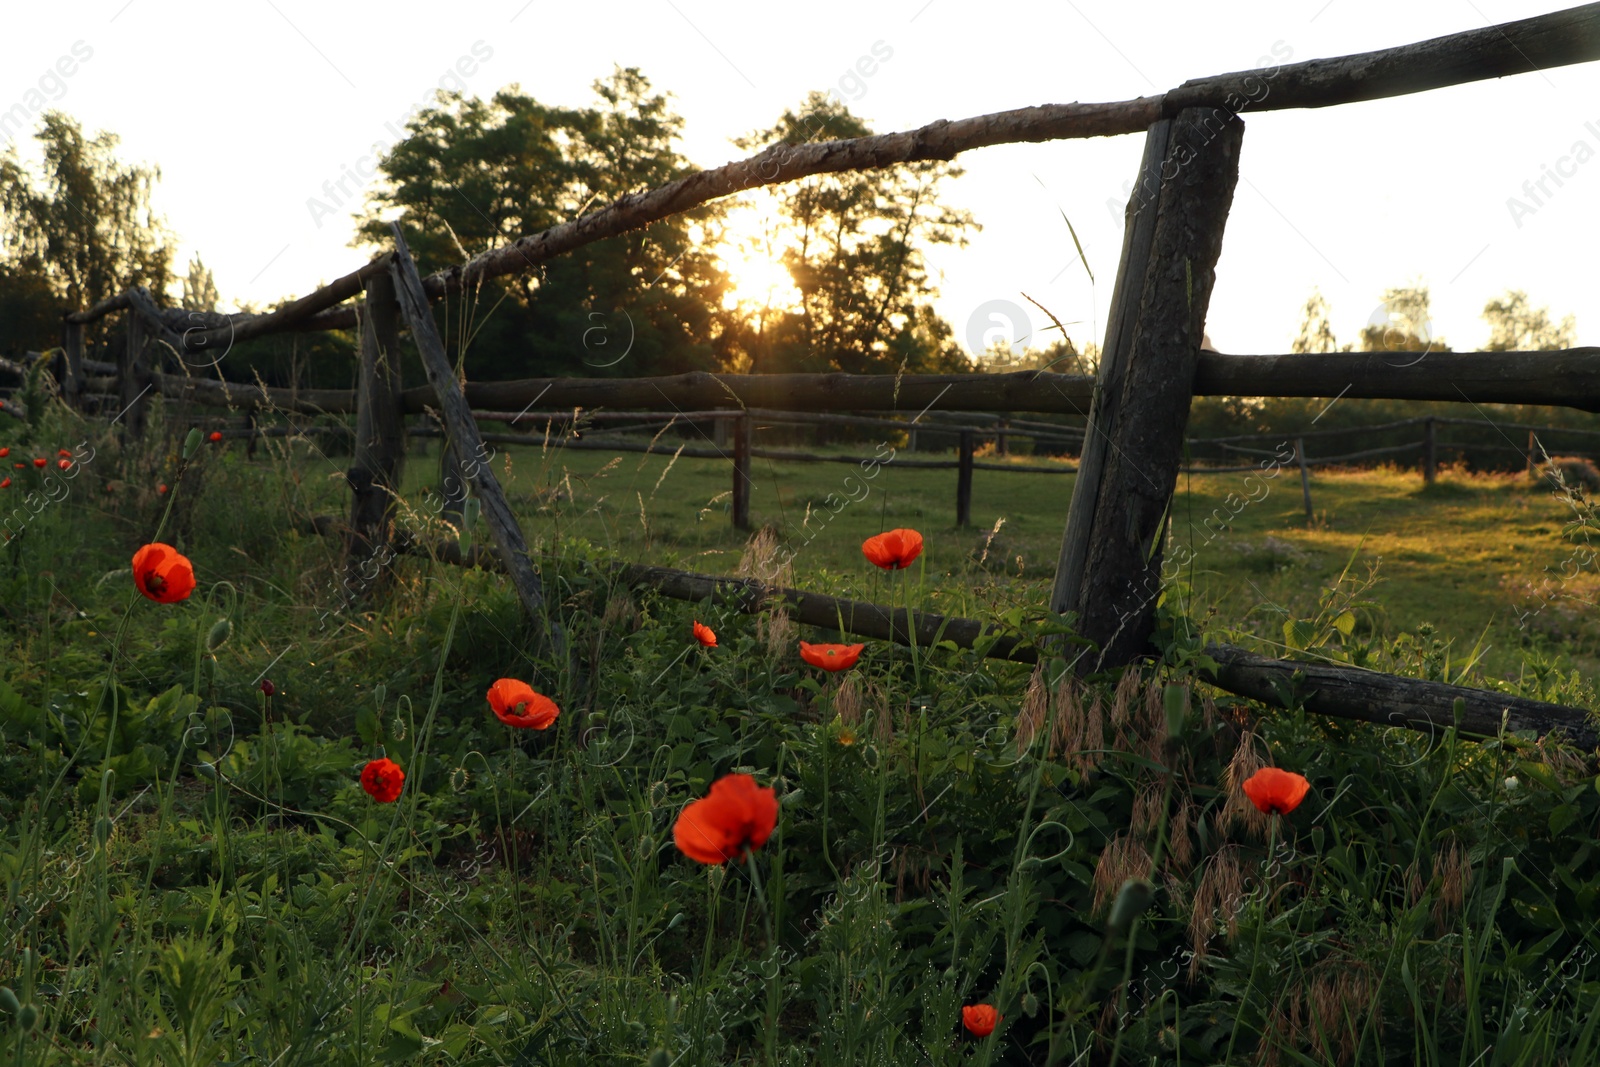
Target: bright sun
x=751, y=251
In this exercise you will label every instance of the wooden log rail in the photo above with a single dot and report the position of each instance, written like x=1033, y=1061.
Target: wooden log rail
x=1542, y=42
x=1564, y=378
x=1321, y=688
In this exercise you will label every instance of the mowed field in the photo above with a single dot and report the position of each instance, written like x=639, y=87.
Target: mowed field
x=1489, y=562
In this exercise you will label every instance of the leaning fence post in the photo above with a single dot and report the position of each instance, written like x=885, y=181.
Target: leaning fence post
x=741, y=472
x=1430, y=453
x=1305, y=476
x=464, y=435
x=964, y=481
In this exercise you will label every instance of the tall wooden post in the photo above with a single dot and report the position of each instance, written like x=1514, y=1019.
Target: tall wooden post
x=1430, y=452
x=964, y=481
x=1002, y=438
x=1110, y=568
x=741, y=472
x=375, y=469
x=1305, y=477
x=72, y=351
x=133, y=379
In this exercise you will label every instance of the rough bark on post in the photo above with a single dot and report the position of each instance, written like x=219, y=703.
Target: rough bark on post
x=1137, y=235
x=133, y=378
x=741, y=472
x=463, y=429
x=375, y=469
x=1120, y=577
x=964, y=481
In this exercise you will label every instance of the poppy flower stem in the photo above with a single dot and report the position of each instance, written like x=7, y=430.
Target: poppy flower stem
x=1255, y=952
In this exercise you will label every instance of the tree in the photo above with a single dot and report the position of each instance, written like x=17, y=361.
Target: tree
x=85, y=224
x=1316, y=333
x=1514, y=326
x=1401, y=323
x=476, y=174
x=199, y=288
x=852, y=242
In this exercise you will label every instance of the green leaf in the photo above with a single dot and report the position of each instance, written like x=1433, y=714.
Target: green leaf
x=368, y=726
x=1345, y=623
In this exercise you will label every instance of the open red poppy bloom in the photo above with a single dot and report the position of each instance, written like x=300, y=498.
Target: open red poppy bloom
x=161, y=490
x=705, y=634
x=6, y=484
x=737, y=814
x=980, y=1019
x=64, y=464
x=831, y=657
x=4, y=452
x=62, y=452
x=516, y=704
x=893, y=550
x=1275, y=791
x=216, y=435
x=382, y=779
x=39, y=461
x=162, y=573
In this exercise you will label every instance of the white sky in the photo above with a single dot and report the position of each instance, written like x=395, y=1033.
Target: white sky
x=249, y=106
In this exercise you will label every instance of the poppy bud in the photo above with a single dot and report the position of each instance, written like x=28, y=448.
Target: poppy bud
x=191, y=442
x=1133, y=898
x=267, y=687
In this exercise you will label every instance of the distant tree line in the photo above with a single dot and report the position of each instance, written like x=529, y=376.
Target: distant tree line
x=474, y=174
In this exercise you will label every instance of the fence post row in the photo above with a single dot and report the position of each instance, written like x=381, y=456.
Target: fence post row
x=1110, y=571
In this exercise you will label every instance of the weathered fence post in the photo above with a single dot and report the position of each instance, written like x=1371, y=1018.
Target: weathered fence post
x=375, y=468
x=464, y=435
x=1533, y=451
x=72, y=351
x=964, y=481
x=1002, y=438
x=719, y=431
x=1430, y=451
x=741, y=472
x=1111, y=554
x=133, y=378
x=1305, y=477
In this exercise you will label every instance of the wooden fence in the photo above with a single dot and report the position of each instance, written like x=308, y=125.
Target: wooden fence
x=1109, y=572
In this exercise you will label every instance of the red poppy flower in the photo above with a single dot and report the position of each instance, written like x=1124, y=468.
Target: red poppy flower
x=20, y=466
x=216, y=435
x=705, y=634
x=893, y=550
x=161, y=490
x=39, y=461
x=64, y=464
x=980, y=1019
x=162, y=573
x=831, y=657
x=516, y=704
x=63, y=452
x=5, y=484
x=382, y=779
x=1275, y=791
x=4, y=452
x=737, y=814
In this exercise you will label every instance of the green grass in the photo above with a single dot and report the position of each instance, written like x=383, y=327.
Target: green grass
x=191, y=873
